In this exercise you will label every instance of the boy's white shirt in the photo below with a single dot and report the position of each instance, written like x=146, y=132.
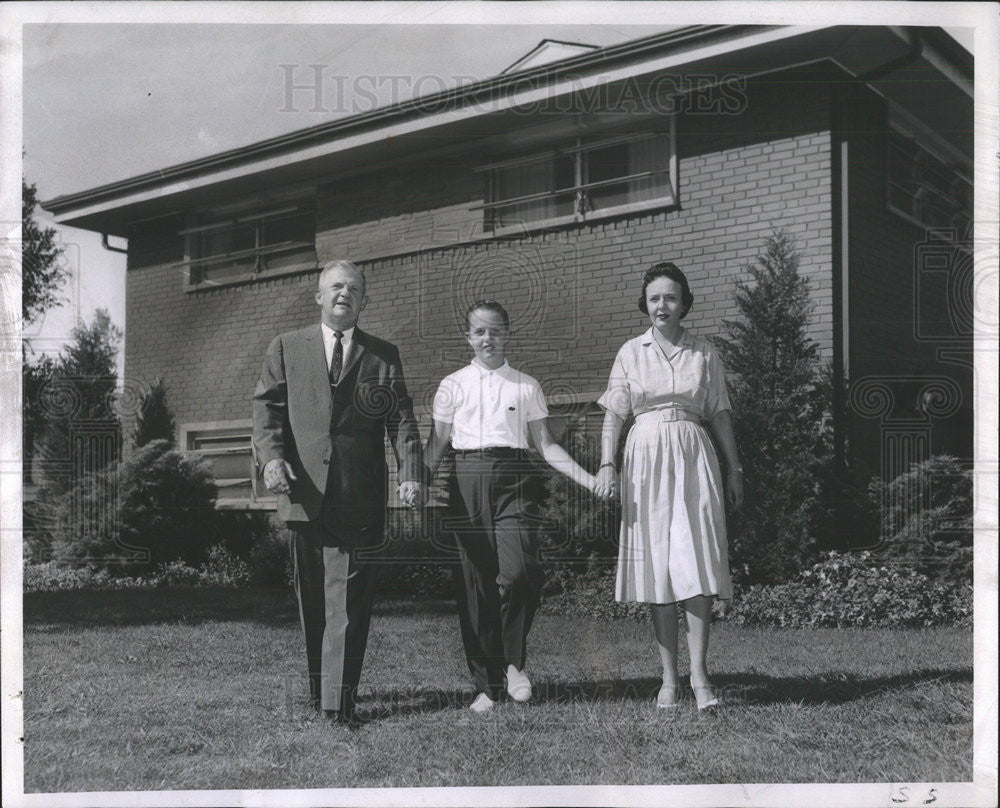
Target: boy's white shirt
x=489, y=407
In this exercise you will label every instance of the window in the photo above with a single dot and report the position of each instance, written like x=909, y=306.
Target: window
x=580, y=181
x=226, y=446
x=927, y=189
x=230, y=248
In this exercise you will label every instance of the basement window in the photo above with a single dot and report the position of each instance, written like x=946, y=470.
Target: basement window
x=227, y=448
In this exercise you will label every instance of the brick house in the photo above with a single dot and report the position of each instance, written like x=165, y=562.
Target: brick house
x=551, y=187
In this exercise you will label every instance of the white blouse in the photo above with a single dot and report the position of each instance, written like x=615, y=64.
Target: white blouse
x=645, y=378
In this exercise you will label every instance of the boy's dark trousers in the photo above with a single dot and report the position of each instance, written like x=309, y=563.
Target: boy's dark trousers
x=494, y=517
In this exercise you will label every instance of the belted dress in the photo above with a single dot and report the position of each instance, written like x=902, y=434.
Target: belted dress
x=672, y=543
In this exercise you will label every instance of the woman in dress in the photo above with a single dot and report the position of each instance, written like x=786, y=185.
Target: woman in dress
x=672, y=546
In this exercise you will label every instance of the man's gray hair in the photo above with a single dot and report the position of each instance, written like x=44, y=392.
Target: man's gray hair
x=340, y=264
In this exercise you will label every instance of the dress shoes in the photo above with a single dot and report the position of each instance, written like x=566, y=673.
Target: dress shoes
x=669, y=697
x=706, y=697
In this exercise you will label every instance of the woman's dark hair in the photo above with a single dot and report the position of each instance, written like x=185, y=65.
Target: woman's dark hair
x=489, y=305
x=666, y=270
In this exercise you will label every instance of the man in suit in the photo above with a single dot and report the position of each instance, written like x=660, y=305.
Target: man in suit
x=326, y=397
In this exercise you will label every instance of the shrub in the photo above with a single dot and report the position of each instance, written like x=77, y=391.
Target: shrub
x=154, y=420
x=587, y=589
x=779, y=412
x=846, y=519
x=855, y=590
x=51, y=576
x=153, y=508
x=224, y=568
x=270, y=559
x=176, y=573
x=414, y=564
x=260, y=541
x=419, y=580
x=37, y=540
x=842, y=590
x=927, y=518
x=36, y=373
x=576, y=525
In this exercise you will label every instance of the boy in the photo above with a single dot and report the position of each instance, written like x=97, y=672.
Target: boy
x=488, y=411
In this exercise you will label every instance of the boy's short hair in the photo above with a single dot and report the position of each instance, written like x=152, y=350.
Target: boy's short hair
x=489, y=305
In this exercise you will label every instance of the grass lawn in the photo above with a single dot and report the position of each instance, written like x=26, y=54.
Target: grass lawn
x=205, y=689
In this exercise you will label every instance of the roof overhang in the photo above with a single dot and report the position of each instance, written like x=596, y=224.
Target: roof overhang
x=419, y=127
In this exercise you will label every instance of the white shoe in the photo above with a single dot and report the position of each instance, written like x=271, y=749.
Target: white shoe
x=518, y=685
x=482, y=704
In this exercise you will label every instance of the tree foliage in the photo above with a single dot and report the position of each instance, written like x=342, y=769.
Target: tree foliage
x=42, y=274
x=926, y=518
x=155, y=507
x=36, y=372
x=82, y=431
x=780, y=416
x=154, y=420
x=575, y=525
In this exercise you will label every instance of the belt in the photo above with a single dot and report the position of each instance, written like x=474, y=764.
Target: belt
x=504, y=452
x=668, y=414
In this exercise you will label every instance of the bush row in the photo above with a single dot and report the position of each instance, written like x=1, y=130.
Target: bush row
x=222, y=568
x=266, y=566
x=843, y=590
x=157, y=507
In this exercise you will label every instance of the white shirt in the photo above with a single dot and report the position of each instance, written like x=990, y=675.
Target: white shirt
x=329, y=341
x=489, y=407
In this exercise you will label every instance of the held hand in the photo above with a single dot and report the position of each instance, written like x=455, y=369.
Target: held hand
x=278, y=475
x=734, y=489
x=412, y=493
x=606, y=483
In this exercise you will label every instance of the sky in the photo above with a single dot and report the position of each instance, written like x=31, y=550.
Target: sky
x=110, y=92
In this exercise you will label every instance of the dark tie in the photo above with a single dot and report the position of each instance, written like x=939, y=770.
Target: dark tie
x=337, y=363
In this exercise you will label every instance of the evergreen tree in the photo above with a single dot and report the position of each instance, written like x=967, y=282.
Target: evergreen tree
x=779, y=414
x=42, y=274
x=35, y=374
x=154, y=421
x=82, y=429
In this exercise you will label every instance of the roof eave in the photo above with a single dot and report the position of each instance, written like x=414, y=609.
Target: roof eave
x=466, y=95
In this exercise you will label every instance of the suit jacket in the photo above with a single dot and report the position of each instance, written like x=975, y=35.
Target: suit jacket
x=334, y=442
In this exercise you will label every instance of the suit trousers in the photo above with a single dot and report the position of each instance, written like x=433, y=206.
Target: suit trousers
x=335, y=593
x=494, y=515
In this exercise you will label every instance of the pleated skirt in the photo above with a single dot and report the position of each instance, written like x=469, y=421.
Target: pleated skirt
x=672, y=544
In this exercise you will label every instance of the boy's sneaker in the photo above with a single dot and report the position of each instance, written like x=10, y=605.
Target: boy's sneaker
x=482, y=704
x=518, y=685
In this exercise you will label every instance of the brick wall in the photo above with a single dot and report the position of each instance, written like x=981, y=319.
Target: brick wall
x=572, y=292
x=398, y=210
